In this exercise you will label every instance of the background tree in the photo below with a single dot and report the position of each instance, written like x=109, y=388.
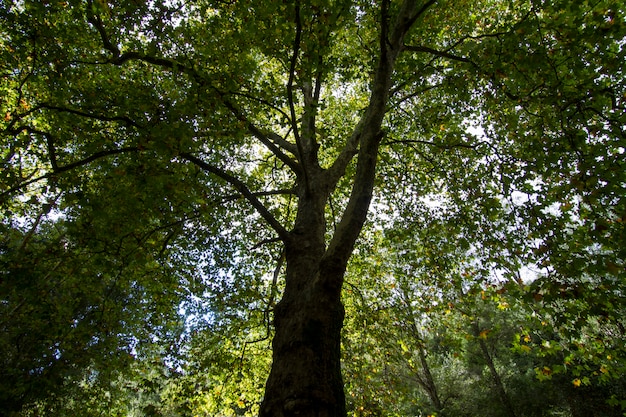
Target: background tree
x=68, y=314
x=197, y=141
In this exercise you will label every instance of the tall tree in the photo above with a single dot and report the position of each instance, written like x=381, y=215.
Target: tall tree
x=239, y=126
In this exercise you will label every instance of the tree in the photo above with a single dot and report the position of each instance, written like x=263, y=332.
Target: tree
x=238, y=129
x=67, y=314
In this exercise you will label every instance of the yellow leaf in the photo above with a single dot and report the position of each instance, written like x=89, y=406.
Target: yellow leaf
x=576, y=382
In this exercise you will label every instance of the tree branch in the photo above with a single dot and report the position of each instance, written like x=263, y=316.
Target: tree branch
x=350, y=149
x=406, y=18
x=68, y=167
x=271, y=140
x=290, y=99
x=100, y=117
x=97, y=23
x=94, y=157
x=241, y=187
x=402, y=99
x=370, y=134
x=233, y=197
x=437, y=145
x=418, y=14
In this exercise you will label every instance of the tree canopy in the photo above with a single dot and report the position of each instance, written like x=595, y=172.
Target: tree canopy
x=183, y=182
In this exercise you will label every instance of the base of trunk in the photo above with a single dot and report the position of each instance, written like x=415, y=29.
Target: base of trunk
x=305, y=379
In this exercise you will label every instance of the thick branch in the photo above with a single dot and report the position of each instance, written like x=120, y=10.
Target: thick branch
x=418, y=14
x=242, y=188
x=338, y=168
x=369, y=132
x=407, y=16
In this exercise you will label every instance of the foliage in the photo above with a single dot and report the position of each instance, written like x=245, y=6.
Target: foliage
x=162, y=161
x=420, y=347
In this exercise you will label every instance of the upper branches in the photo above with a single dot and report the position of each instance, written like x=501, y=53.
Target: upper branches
x=274, y=142
x=392, y=33
x=368, y=133
x=290, y=82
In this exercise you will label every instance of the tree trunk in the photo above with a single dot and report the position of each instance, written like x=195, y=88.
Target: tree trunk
x=427, y=381
x=305, y=379
x=495, y=376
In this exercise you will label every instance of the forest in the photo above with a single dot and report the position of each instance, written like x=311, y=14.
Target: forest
x=313, y=208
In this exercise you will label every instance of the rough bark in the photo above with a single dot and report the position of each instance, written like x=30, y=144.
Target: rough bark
x=305, y=379
x=306, y=375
